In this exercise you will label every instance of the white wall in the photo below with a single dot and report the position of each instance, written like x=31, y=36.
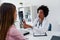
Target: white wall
x=54, y=13
x=54, y=7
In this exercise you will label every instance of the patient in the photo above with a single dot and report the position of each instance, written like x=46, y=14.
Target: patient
x=8, y=16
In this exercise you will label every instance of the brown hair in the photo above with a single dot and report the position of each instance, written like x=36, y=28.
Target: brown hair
x=7, y=11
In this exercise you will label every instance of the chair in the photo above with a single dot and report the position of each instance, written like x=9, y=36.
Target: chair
x=50, y=27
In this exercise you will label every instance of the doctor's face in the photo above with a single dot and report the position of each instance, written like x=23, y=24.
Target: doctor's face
x=41, y=14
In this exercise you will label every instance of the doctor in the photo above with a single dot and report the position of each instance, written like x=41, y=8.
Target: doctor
x=40, y=23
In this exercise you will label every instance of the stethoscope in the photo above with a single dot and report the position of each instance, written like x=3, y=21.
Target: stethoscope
x=38, y=24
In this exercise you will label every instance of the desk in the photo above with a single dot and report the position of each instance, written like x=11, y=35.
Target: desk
x=48, y=37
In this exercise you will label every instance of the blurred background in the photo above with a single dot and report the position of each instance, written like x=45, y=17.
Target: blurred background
x=27, y=10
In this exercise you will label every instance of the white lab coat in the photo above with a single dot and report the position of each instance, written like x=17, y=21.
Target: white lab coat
x=41, y=29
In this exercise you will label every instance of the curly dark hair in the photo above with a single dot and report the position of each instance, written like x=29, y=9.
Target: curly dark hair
x=45, y=10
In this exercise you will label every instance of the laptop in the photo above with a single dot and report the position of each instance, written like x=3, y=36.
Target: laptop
x=55, y=38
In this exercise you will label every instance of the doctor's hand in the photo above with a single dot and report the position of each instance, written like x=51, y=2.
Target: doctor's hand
x=26, y=25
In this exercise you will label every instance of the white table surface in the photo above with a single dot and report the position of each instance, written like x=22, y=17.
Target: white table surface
x=48, y=37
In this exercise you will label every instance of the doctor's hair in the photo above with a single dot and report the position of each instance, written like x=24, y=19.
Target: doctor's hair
x=7, y=11
x=45, y=10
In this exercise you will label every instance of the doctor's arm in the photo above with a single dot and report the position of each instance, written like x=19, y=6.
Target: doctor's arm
x=26, y=25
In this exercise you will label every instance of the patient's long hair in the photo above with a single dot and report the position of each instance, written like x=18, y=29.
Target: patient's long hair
x=7, y=11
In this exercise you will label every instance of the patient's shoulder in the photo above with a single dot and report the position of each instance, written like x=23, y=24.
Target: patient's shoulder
x=13, y=31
